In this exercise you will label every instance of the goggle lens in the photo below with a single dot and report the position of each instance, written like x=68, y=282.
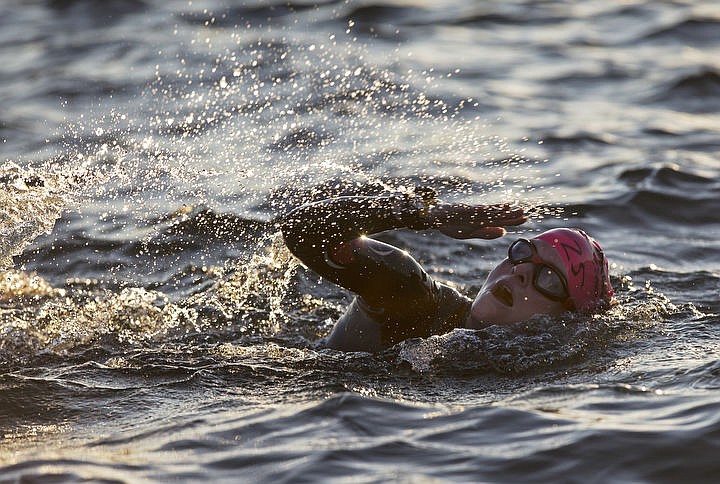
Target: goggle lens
x=520, y=251
x=548, y=281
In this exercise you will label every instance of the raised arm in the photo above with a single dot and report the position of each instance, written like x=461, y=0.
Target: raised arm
x=328, y=235
x=317, y=232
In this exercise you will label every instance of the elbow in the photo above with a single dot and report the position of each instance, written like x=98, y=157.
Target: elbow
x=294, y=229
x=293, y=240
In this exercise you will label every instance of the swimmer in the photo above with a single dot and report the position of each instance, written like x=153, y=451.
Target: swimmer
x=557, y=271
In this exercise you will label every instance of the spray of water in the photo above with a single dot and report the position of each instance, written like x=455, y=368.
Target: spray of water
x=236, y=126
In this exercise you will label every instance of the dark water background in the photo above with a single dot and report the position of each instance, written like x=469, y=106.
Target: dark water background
x=154, y=328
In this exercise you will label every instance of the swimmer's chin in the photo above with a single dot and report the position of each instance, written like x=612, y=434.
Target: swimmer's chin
x=473, y=320
x=472, y=323
x=486, y=311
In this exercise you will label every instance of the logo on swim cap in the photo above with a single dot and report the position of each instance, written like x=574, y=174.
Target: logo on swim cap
x=586, y=267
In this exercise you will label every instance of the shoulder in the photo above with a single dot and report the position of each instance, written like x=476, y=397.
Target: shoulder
x=453, y=309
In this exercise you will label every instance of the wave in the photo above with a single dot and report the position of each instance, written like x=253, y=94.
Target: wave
x=190, y=230
x=374, y=15
x=380, y=20
x=578, y=138
x=244, y=298
x=264, y=300
x=200, y=224
x=698, y=92
x=655, y=194
x=670, y=194
x=348, y=434
x=698, y=31
x=255, y=12
x=526, y=17
x=540, y=344
x=106, y=13
x=669, y=177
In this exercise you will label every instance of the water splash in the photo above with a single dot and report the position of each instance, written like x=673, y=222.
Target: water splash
x=248, y=298
x=252, y=295
x=222, y=114
x=20, y=286
x=321, y=107
x=543, y=342
x=29, y=206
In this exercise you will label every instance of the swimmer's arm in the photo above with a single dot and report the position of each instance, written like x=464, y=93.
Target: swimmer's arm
x=325, y=235
x=321, y=225
x=462, y=221
x=316, y=231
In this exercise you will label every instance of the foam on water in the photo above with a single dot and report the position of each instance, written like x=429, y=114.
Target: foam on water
x=29, y=206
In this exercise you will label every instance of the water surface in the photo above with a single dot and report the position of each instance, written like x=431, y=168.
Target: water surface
x=154, y=328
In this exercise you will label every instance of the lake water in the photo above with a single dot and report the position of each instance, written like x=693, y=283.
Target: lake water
x=153, y=327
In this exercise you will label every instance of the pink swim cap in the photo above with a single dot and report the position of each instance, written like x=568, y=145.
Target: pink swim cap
x=586, y=268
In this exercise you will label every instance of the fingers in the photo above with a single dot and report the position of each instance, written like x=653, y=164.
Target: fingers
x=500, y=214
x=488, y=216
x=488, y=233
x=463, y=232
x=476, y=221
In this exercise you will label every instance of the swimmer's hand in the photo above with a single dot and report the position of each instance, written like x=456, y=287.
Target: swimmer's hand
x=461, y=221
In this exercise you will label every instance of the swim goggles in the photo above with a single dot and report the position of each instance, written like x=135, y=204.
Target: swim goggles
x=548, y=280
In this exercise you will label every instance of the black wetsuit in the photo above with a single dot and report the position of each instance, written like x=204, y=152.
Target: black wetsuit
x=396, y=299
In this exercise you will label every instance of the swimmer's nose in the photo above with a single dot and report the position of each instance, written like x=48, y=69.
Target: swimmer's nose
x=523, y=272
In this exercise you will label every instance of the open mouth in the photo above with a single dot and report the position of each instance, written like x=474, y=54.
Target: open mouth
x=502, y=294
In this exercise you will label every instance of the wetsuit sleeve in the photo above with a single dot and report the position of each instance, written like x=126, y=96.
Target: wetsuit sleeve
x=328, y=236
x=320, y=233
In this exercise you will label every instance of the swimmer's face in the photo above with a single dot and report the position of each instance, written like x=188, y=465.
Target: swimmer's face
x=509, y=295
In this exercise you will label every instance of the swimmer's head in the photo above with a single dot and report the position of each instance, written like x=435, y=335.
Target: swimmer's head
x=586, y=269
x=557, y=271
